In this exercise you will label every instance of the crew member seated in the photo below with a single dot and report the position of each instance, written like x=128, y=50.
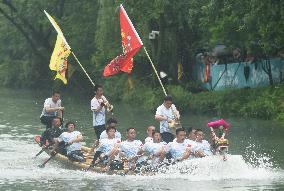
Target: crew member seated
x=179, y=149
x=51, y=133
x=202, y=147
x=72, y=141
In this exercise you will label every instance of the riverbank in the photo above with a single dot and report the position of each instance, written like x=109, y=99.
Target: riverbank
x=263, y=103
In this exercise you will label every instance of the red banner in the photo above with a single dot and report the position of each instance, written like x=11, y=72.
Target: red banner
x=131, y=44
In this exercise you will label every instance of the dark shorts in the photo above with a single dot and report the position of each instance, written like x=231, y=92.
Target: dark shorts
x=116, y=165
x=47, y=120
x=167, y=137
x=99, y=129
x=76, y=156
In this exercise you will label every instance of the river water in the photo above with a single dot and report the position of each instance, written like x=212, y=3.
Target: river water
x=256, y=159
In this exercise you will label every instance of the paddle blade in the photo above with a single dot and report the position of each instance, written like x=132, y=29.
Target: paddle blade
x=41, y=165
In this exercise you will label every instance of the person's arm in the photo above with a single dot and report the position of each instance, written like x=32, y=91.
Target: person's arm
x=176, y=112
x=50, y=110
x=78, y=139
x=96, y=106
x=186, y=154
x=160, y=117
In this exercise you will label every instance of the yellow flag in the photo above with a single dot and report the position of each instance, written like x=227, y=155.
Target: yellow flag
x=58, y=61
x=180, y=71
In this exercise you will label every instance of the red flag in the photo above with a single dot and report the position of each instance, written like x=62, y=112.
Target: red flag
x=131, y=44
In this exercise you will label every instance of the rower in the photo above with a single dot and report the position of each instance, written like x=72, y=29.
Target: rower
x=72, y=139
x=104, y=135
x=202, y=147
x=131, y=149
x=51, y=133
x=179, y=149
x=155, y=149
x=150, y=131
x=52, y=108
x=108, y=149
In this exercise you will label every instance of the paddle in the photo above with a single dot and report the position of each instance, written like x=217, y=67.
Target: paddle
x=38, y=153
x=52, y=155
x=43, y=164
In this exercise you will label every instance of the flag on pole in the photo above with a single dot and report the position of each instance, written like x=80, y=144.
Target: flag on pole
x=58, y=60
x=131, y=44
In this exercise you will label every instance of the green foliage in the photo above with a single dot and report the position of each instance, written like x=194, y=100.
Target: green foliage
x=264, y=103
x=92, y=30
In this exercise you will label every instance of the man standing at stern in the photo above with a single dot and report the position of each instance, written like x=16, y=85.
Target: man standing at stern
x=51, y=109
x=166, y=114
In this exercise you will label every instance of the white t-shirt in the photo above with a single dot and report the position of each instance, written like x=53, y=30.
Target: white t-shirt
x=106, y=145
x=98, y=117
x=149, y=139
x=105, y=136
x=166, y=112
x=66, y=137
x=203, y=146
x=130, y=149
x=177, y=149
x=48, y=103
x=153, y=148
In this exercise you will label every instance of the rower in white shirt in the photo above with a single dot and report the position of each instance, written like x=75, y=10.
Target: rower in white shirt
x=156, y=149
x=179, y=149
x=111, y=122
x=202, y=147
x=108, y=147
x=150, y=131
x=131, y=149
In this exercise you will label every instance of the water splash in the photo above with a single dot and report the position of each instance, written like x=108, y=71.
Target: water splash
x=18, y=167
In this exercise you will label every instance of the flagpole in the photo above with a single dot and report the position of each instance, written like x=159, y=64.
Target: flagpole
x=155, y=71
x=82, y=68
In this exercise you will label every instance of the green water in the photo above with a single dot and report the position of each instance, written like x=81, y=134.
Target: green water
x=256, y=161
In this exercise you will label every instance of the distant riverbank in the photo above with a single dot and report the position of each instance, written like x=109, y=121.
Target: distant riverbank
x=262, y=103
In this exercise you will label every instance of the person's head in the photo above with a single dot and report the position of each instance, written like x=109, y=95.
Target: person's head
x=168, y=101
x=55, y=96
x=131, y=133
x=191, y=133
x=99, y=90
x=111, y=122
x=70, y=126
x=156, y=137
x=150, y=130
x=180, y=134
x=110, y=130
x=56, y=122
x=199, y=135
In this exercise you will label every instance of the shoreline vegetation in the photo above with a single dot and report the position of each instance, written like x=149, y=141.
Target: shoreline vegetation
x=262, y=103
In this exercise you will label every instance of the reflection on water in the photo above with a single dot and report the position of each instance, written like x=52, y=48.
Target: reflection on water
x=256, y=160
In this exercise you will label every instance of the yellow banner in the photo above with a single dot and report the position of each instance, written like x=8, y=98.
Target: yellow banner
x=58, y=61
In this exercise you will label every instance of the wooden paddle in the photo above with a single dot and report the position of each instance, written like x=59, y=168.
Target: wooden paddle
x=43, y=164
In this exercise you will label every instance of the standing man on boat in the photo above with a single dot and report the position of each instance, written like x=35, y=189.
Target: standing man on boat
x=52, y=108
x=165, y=114
x=98, y=107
